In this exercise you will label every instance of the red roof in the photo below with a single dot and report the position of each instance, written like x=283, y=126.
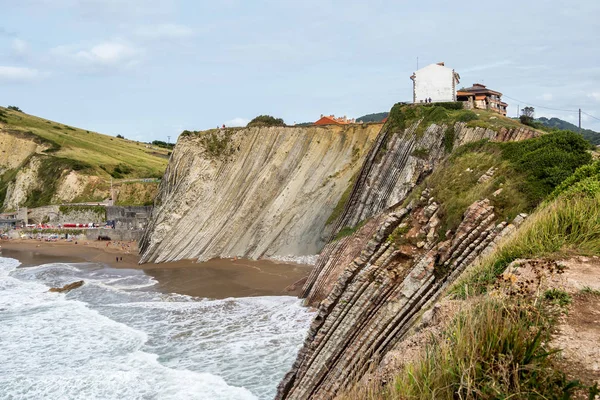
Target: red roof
x=328, y=120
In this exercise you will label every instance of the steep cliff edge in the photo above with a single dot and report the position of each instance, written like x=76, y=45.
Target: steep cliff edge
x=253, y=192
x=421, y=213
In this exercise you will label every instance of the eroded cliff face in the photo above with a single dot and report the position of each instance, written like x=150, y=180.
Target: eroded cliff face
x=370, y=289
x=253, y=192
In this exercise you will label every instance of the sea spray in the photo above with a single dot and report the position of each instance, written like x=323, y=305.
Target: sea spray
x=117, y=337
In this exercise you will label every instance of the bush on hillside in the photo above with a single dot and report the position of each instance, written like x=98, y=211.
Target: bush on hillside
x=120, y=137
x=448, y=105
x=547, y=160
x=164, y=145
x=266, y=120
x=14, y=108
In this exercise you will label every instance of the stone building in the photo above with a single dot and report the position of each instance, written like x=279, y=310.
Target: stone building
x=479, y=96
x=436, y=82
x=11, y=220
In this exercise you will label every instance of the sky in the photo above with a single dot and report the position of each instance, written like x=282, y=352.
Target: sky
x=150, y=69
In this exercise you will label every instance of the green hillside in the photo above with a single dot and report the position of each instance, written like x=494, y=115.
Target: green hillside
x=46, y=162
x=556, y=123
x=103, y=152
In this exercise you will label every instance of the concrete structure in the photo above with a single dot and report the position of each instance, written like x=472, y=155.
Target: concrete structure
x=17, y=219
x=331, y=119
x=479, y=96
x=129, y=217
x=436, y=82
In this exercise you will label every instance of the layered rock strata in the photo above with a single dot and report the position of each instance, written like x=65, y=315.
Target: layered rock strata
x=400, y=159
x=253, y=192
x=378, y=295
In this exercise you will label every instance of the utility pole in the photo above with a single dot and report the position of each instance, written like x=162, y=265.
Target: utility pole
x=580, y=121
x=518, y=108
x=168, y=140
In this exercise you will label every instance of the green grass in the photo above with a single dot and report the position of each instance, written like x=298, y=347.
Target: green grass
x=493, y=349
x=589, y=291
x=91, y=148
x=565, y=226
x=558, y=297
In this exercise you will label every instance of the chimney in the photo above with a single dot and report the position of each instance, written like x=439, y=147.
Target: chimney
x=441, y=63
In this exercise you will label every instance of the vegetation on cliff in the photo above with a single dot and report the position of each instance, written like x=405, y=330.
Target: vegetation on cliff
x=266, y=120
x=65, y=149
x=514, y=176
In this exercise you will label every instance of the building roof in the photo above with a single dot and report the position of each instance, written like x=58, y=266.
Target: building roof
x=331, y=119
x=477, y=88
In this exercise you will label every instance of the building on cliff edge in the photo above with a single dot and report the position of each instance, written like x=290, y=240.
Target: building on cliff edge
x=436, y=82
x=331, y=119
x=479, y=96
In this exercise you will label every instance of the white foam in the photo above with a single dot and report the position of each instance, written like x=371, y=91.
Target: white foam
x=306, y=260
x=108, y=340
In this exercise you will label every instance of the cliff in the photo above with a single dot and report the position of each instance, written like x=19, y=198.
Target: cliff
x=253, y=192
x=371, y=286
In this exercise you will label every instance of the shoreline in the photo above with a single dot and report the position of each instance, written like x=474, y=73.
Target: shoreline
x=216, y=279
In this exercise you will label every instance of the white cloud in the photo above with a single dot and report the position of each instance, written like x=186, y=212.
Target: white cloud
x=18, y=74
x=594, y=96
x=164, y=31
x=105, y=55
x=19, y=47
x=237, y=122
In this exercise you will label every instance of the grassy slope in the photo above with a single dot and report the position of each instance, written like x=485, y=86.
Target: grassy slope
x=90, y=147
x=498, y=346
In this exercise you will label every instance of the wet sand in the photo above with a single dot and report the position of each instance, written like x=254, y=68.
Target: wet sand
x=219, y=278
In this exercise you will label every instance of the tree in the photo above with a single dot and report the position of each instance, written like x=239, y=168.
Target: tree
x=120, y=137
x=266, y=120
x=14, y=108
x=527, y=116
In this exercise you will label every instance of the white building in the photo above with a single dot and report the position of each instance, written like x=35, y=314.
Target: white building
x=436, y=82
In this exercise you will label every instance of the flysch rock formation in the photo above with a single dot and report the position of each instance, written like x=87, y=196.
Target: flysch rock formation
x=369, y=291
x=253, y=192
x=378, y=295
x=400, y=159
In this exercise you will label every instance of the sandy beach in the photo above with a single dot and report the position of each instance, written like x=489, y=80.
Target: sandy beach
x=219, y=278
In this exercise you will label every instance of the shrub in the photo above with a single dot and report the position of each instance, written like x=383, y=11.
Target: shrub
x=449, y=105
x=120, y=137
x=547, y=160
x=266, y=120
x=14, y=108
x=466, y=116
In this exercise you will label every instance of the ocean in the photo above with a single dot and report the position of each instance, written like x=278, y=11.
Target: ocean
x=117, y=337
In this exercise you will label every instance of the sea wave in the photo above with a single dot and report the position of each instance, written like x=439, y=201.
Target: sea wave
x=116, y=337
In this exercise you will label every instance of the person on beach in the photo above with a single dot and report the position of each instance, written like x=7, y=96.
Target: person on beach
x=117, y=259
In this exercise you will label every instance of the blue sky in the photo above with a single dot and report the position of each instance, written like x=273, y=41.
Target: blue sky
x=148, y=69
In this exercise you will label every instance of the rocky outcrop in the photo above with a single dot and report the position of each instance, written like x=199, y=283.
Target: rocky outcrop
x=378, y=295
x=401, y=158
x=67, y=287
x=253, y=192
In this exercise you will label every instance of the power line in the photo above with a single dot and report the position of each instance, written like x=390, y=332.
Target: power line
x=589, y=115
x=547, y=108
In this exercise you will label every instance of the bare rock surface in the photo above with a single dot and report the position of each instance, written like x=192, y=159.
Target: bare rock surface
x=253, y=192
x=68, y=287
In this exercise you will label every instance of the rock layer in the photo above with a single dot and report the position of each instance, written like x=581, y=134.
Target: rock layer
x=379, y=294
x=253, y=192
x=400, y=159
